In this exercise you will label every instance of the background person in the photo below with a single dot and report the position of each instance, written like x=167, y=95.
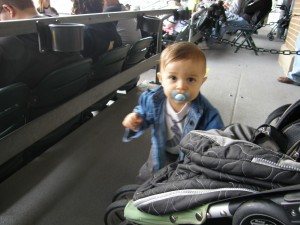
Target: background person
x=234, y=8
x=127, y=7
x=170, y=25
x=45, y=8
x=20, y=58
x=127, y=28
x=293, y=76
x=254, y=11
x=174, y=108
x=100, y=37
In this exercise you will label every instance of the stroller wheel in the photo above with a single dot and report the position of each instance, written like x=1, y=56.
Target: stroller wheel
x=125, y=192
x=270, y=36
x=260, y=212
x=114, y=214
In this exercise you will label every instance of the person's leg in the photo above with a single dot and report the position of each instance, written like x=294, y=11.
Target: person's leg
x=146, y=171
x=233, y=25
x=293, y=76
x=295, y=73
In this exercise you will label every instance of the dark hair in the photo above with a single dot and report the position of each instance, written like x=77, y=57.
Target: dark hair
x=20, y=4
x=87, y=6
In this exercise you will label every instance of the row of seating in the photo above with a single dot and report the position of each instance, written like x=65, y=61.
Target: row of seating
x=19, y=105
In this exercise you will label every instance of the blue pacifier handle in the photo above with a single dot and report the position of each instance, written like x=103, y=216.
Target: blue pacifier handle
x=180, y=97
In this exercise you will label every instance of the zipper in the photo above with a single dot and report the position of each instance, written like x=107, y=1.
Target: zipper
x=275, y=165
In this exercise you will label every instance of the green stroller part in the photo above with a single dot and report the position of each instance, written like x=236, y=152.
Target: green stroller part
x=191, y=216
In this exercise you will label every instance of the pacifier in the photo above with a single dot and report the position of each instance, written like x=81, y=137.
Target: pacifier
x=180, y=97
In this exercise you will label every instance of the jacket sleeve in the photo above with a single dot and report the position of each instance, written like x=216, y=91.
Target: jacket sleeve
x=215, y=121
x=144, y=111
x=211, y=118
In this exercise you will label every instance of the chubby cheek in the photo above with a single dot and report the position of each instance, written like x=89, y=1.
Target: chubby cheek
x=167, y=92
x=166, y=85
x=195, y=92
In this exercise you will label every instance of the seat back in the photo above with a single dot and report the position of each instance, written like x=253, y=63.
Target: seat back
x=137, y=52
x=60, y=86
x=151, y=26
x=109, y=64
x=14, y=101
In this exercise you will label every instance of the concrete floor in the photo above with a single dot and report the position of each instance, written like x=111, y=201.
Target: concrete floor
x=74, y=181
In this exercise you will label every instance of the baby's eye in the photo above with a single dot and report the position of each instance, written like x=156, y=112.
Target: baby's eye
x=171, y=77
x=191, y=80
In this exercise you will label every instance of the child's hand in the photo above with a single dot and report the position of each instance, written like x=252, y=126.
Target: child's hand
x=132, y=121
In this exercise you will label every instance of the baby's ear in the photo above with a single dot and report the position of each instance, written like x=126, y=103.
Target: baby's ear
x=159, y=76
x=204, y=79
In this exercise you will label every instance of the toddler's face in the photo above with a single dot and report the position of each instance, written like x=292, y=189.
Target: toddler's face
x=181, y=81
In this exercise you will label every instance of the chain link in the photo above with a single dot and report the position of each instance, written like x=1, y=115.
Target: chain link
x=245, y=46
x=250, y=28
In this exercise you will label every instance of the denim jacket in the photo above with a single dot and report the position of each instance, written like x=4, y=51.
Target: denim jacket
x=201, y=116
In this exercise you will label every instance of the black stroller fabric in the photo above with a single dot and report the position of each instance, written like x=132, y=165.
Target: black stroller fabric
x=217, y=165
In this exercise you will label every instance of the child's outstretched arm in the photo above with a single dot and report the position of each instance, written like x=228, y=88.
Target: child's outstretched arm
x=132, y=121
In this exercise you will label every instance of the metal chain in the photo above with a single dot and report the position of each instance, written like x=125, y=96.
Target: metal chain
x=245, y=46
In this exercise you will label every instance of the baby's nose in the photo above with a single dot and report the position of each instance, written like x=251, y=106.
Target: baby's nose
x=181, y=84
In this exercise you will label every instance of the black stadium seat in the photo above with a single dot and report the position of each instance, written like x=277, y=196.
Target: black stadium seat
x=14, y=101
x=136, y=54
x=109, y=64
x=60, y=86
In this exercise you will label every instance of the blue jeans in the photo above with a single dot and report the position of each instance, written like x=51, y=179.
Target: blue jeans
x=295, y=73
x=234, y=24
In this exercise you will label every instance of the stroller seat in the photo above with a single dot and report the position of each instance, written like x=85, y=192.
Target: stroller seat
x=248, y=175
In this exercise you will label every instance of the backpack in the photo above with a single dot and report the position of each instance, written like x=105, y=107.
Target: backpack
x=280, y=132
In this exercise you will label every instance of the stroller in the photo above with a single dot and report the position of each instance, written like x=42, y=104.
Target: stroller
x=277, y=207
x=208, y=22
x=225, y=178
x=281, y=25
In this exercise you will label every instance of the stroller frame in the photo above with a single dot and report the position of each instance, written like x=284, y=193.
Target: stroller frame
x=276, y=207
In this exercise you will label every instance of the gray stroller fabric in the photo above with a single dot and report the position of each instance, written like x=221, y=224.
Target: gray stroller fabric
x=216, y=166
